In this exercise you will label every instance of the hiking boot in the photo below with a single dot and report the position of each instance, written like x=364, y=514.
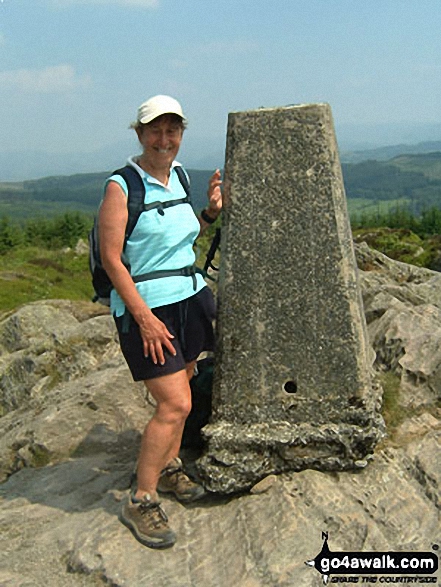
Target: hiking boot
x=174, y=480
x=148, y=522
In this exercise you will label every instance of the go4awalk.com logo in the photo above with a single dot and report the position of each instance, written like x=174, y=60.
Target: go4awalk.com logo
x=421, y=566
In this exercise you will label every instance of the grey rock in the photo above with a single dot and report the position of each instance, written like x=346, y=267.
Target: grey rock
x=103, y=410
x=264, y=485
x=292, y=386
x=44, y=343
x=67, y=452
x=388, y=270
x=417, y=426
x=252, y=540
x=64, y=394
x=39, y=324
x=402, y=305
x=82, y=247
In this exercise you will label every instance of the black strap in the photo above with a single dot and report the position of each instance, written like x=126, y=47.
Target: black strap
x=189, y=271
x=162, y=205
x=212, y=251
x=183, y=179
x=206, y=218
x=135, y=197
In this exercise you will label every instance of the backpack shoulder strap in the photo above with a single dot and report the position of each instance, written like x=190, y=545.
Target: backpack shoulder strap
x=184, y=180
x=135, y=198
x=161, y=206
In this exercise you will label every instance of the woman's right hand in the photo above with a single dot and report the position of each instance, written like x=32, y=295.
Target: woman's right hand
x=155, y=336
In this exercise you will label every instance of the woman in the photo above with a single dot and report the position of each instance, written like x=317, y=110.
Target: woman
x=170, y=317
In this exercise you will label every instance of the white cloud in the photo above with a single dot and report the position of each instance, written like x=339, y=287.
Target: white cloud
x=138, y=3
x=58, y=78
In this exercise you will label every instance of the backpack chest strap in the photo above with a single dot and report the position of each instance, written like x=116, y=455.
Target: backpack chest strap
x=161, y=206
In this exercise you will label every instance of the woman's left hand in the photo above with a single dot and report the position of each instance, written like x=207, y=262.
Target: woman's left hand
x=214, y=194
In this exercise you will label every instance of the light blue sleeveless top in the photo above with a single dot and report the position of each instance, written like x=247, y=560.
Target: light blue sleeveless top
x=160, y=242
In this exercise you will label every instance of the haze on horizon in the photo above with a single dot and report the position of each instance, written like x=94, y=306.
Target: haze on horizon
x=73, y=72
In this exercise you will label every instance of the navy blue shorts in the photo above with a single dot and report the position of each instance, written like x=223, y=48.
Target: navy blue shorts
x=191, y=323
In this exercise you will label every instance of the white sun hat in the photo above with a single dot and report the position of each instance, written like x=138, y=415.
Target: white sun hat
x=157, y=106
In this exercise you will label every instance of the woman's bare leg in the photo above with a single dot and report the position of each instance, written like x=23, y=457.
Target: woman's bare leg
x=163, y=434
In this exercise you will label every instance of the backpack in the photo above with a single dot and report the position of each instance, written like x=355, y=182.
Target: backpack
x=201, y=403
x=135, y=203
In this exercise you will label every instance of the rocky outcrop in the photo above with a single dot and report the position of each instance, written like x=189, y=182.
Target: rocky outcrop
x=70, y=431
x=403, y=312
x=65, y=390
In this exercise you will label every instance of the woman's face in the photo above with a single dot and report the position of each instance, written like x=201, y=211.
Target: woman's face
x=161, y=139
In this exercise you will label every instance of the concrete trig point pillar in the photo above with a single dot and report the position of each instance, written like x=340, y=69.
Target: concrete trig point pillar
x=292, y=386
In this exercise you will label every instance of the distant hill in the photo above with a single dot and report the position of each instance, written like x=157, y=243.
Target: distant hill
x=80, y=192
x=406, y=180
x=428, y=163
x=386, y=153
x=412, y=180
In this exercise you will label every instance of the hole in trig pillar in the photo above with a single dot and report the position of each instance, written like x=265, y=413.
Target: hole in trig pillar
x=290, y=386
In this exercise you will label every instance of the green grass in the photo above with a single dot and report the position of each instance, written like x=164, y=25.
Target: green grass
x=402, y=245
x=31, y=274
x=392, y=411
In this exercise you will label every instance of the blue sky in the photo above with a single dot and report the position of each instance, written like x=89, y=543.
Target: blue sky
x=73, y=72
